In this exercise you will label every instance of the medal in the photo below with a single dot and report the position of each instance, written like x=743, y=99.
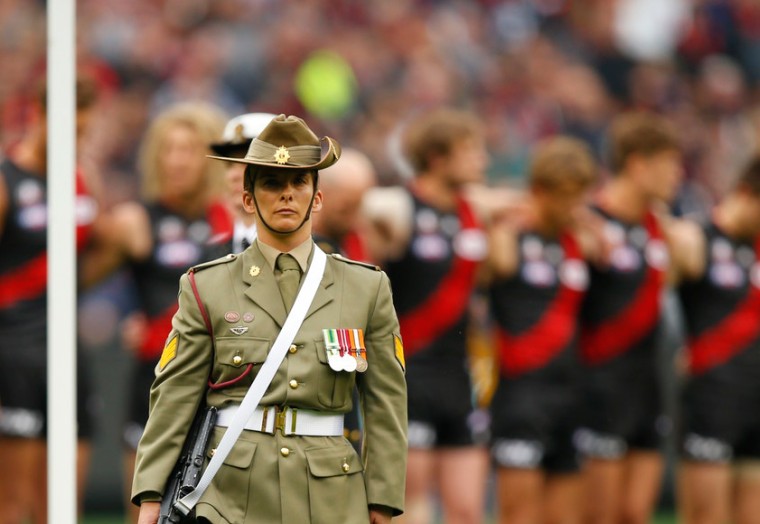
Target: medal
x=357, y=342
x=345, y=349
x=332, y=349
x=347, y=361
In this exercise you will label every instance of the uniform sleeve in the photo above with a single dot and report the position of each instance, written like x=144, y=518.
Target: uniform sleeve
x=179, y=386
x=382, y=391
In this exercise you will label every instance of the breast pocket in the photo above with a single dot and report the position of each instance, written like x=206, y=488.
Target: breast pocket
x=335, y=387
x=238, y=360
x=336, y=486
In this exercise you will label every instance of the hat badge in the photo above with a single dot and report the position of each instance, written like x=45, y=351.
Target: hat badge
x=281, y=156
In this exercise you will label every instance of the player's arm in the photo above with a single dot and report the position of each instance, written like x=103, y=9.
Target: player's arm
x=387, y=217
x=507, y=211
x=503, y=252
x=588, y=228
x=3, y=203
x=686, y=245
x=493, y=203
x=118, y=236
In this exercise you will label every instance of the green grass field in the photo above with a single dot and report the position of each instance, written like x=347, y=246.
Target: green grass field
x=662, y=518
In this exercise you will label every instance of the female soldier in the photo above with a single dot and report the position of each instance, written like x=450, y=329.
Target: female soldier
x=304, y=471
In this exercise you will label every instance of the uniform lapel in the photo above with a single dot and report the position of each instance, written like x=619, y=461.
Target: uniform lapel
x=262, y=286
x=264, y=291
x=325, y=292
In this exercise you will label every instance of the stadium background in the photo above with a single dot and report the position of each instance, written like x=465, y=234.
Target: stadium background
x=358, y=69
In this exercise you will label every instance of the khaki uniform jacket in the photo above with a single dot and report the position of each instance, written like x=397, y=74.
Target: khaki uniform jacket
x=275, y=478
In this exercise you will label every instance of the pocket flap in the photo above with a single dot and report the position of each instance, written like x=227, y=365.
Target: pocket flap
x=239, y=352
x=331, y=462
x=240, y=456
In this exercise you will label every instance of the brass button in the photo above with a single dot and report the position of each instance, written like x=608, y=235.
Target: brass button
x=345, y=467
x=293, y=384
x=237, y=360
x=293, y=348
x=284, y=452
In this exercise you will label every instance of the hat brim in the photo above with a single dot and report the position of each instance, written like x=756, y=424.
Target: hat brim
x=228, y=149
x=329, y=157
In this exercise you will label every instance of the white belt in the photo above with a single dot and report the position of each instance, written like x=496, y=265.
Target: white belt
x=290, y=421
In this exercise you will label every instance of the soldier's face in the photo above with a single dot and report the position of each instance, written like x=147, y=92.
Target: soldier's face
x=283, y=197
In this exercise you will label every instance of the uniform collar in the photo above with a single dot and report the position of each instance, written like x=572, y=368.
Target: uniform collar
x=301, y=253
x=258, y=273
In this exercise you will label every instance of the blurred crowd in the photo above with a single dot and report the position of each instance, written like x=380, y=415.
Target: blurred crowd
x=529, y=68
x=359, y=71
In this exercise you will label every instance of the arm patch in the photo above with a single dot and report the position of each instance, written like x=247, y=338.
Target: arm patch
x=170, y=352
x=399, y=350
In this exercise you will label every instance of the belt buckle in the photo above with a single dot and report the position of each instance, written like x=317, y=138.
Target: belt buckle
x=280, y=420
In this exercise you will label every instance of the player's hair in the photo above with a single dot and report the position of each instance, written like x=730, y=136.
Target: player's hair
x=86, y=93
x=640, y=133
x=204, y=119
x=435, y=132
x=562, y=161
x=749, y=177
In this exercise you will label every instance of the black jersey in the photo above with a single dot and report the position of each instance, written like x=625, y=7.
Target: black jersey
x=178, y=244
x=621, y=310
x=23, y=258
x=434, y=280
x=536, y=311
x=722, y=309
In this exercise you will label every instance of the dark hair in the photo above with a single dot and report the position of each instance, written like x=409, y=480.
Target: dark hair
x=86, y=93
x=251, y=171
x=640, y=133
x=435, y=133
x=749, y=178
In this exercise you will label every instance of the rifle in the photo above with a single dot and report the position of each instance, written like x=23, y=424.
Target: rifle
x=187, y=472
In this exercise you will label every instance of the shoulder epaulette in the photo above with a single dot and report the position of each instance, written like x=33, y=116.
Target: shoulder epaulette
x=338, y=256
x=222, y=260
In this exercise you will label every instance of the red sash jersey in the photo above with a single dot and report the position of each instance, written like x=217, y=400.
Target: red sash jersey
x=178, y=243
x=23, y=255
x=621, y=310
x=536, y=311
x=722, y=309
x=434, y=281
x=354, y=247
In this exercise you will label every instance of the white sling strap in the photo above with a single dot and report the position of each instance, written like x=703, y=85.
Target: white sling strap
x=263, y=379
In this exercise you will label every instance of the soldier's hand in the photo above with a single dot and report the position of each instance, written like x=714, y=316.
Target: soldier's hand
x=149, y=513
x=377, y=515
